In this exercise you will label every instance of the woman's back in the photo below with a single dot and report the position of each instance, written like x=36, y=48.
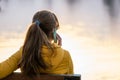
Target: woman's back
x=59, y=62
x=41, y=51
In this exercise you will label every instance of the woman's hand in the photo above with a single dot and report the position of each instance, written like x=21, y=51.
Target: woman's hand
x=59, y=39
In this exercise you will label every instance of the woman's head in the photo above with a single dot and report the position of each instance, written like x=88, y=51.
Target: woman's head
x=48, y=21
x=37, y=36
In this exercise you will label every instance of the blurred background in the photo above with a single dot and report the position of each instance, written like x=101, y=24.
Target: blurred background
x=90, y=30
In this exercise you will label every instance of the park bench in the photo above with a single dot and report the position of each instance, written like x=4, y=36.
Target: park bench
x=19, y=76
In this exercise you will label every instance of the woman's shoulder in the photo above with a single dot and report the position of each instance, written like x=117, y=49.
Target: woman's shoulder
x=67, y=53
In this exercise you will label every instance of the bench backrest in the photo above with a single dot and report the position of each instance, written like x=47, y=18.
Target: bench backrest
x=19, y=76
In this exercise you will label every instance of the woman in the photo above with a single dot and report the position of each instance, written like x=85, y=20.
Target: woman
x=41, y=52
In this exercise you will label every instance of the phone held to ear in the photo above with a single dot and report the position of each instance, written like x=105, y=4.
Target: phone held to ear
x=57, y=38
x=54, y=35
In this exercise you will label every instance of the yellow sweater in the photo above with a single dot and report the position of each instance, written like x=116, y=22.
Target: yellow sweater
x=61, y=62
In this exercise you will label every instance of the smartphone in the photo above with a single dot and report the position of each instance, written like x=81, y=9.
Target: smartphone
x=54, y=35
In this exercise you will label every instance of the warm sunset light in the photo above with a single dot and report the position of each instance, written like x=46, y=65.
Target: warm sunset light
x=89, y=29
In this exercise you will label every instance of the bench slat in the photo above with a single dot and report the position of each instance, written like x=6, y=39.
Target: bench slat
x=19, y=76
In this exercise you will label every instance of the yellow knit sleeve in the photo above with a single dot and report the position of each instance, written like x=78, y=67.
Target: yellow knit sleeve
x=70, y=63
x=10, y=65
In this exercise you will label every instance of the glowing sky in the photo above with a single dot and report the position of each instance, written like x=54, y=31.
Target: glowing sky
x=88, y=32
